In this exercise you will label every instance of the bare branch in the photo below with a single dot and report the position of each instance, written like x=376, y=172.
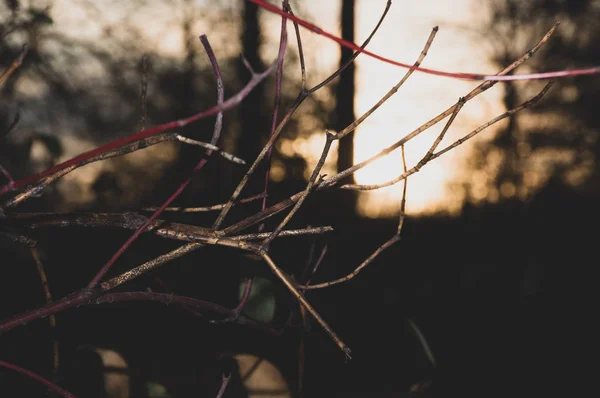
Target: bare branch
x=37, y=378
x=211, y=147
x=206, y=208
x=394, y=89
x=329, y=138
x=291, y=287
x=178, y=191
x=15, y=64
x=415, y=169
x=351, y=275
x=328, y=182
x=229, y=104
x=301, y=97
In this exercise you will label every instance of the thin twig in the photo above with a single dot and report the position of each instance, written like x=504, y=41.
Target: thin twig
x=457, y=75
x=137, y=145
x=224, y=383
x=300, y=50
x=133, y=221
x=212, y=147
x=423, y=341
x=415, y=169
x=440, y=137
x=402, y=215
x=290, y=232
x=329, y=138
x=8, y=176
x=328, y=182
x=227, y=105
x=351, y=127
x=37, y=378
x=351, y=275
x=291, y=287
x=12, y=125
x=426, y=158
x=277, y=100
x=48, y=296
x=205, y=208
x=178, y=191
x=301, y=97
x=150, y=265
x=15, y=64
x=144, y=90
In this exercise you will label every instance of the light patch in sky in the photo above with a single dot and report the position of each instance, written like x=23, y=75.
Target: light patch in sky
x=402, y=37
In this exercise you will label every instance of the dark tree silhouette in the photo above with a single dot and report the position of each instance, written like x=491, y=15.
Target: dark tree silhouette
x=254, y=117
x=557, y=140
x=344, y=109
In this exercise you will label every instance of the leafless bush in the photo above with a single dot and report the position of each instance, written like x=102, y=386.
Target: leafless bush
x=15, y=224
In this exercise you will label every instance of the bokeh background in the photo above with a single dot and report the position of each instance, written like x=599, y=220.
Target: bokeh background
x=496, y=261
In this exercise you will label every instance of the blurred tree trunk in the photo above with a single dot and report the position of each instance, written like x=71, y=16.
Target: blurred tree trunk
x=254, y=123
x=344, y=109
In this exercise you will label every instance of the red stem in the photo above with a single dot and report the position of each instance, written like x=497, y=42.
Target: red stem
x=230, y=103
x=456, y=75
x=37, y=377
x=178, y=191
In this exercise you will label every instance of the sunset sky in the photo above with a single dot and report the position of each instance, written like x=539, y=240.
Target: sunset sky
x=401, y=37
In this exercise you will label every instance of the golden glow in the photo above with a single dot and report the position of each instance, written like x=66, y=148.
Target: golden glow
x=402, y=36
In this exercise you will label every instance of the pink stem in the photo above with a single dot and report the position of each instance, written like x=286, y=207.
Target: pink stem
x=457, y=75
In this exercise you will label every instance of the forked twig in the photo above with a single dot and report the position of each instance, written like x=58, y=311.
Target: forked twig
x=430, y=157
x=457, y=75
x=291, y=287
x=178, y=191
x=351, y=275
x=301, y=97
x=328, y=182
x=227, y=105
x=351, y=127
x=329, y=138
